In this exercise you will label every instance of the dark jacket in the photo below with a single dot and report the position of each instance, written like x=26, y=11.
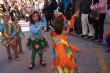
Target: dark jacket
x=84, y=6
x=108, y=2
x=46, y=9
x=51, y=7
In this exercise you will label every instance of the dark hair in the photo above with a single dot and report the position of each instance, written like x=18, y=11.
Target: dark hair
x=58, y=24
x=31, y=19
x=95, y=1
x=46, y=2
x=108, y=2
x=53, y=5
x=4, y=9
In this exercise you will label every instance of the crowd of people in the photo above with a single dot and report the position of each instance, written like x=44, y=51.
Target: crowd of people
x=93, y=13
x=61, y=16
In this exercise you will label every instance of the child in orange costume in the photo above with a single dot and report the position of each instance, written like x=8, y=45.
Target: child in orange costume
x=63, y=58
x=72, y=22
x=66, y=22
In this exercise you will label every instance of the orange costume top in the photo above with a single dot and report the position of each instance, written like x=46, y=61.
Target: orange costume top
x=63, y=57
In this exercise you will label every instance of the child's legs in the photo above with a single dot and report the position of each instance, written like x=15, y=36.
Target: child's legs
x=17, y=46
x=40, y=55
x=33, y=56
x=20, y=46
x=8, y=50
x=15, y=50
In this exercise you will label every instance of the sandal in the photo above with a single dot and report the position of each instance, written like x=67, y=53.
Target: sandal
x=9, y=59
x=31, y=66
x=42, y=63
x=17, y=58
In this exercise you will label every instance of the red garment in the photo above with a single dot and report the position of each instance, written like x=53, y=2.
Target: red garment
x=5, y=0
x=108, y=34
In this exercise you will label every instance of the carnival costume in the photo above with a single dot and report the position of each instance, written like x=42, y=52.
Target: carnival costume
x=62, y=50
x=9, y=39
x=7, y=30
x=36, y=42
x=19, y=31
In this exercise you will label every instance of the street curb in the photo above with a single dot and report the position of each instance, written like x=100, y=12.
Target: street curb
x=103, y=44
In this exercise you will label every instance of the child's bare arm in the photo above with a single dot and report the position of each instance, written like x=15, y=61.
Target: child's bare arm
x=74, y=48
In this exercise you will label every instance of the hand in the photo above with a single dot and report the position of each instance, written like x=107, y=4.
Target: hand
x=97, y=18
x=74, y=67
x=26, y=41
x=37, y=46
x=53, y=45
x=43, y=15
x=32, y=38
x=76, y=14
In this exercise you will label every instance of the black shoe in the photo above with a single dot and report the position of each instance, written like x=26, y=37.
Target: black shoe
x=71, y=29
x=93, y=39
x=90, y=37
x=108, y=50
x=9, y=59
x=84, y=36
x=46, y=29
x=31, y=66
x=98, y=40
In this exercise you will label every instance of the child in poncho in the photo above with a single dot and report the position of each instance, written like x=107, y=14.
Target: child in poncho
x=8, y=31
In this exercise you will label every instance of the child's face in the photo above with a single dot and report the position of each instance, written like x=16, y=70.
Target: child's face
x=35, y=17
x=6, y=19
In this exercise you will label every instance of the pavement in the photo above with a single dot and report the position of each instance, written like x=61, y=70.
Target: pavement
x=107, y=20
x=92, y=58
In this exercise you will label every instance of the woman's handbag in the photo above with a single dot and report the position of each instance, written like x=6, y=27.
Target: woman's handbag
x=95, y=15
